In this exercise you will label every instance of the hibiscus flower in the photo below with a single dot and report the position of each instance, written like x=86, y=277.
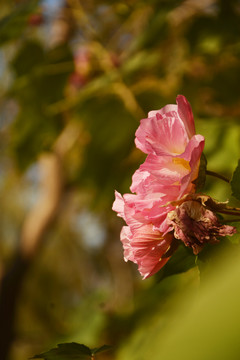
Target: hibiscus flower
x=173, y=151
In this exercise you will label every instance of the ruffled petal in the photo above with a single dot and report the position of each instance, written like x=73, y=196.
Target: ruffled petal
x=146, y=183
x=186, y=115
x=161, y=136
x=168, y=170
x=118, y=205
x=193, y=153
x=126, y=237
x=149, y=247
x=143, y=209
x=168, y=110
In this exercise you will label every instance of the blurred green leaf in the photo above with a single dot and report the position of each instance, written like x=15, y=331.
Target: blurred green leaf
x=230, y=77
x=235, y=182
x=200, y=325
x=41, y=80
x=235, y=238
x=32, y=132
x=12, y=25
x=30, y=55
x=128, y=58
x=112, y=129
x=182, y=260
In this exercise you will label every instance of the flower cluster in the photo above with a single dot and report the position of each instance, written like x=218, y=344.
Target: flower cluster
x=154, y=220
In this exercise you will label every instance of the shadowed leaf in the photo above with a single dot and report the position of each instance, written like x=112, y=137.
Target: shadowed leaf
x=101, y=349
x=182, y=260
x=67, y=351
x=235, y=182
x=71, y=351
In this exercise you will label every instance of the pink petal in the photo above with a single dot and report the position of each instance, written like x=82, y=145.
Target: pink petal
x=168, y=110
x=193, y=153
x=126, y=237
x=197, y=149
x=161, y=136
x=118, y=205
x=165, y=168
x=143, y=209
x=146, y=183
x=148, y=247
x=185, y=113
x=140, y=180
x=150, y=268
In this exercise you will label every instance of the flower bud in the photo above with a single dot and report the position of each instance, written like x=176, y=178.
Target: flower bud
x=196, y=225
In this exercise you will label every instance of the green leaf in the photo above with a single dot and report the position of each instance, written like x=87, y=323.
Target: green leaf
x=71, y=351
x=182, y=260
x=12, y=25
x=29, y=55
x=67, y=351
x=41, y=80
x=32, y=132
x=202, y=324
x=235, y=182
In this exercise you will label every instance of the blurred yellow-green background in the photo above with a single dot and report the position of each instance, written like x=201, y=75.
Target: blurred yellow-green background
x=76, y=77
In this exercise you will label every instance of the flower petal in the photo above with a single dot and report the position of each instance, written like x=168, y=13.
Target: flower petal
x=118, y=205
x=126, y=237
x=166, y=168
x=186, y=115
x=193, y=153
x=168, y=110
x=161, y=136
x=149, y=247
x=142, y=209
x=146, y=183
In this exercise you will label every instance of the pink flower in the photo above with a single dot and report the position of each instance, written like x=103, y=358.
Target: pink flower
x=174, y=151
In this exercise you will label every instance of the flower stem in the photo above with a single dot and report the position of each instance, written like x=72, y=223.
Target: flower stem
x=231, y=220
x=212, y=173
x=227, y=212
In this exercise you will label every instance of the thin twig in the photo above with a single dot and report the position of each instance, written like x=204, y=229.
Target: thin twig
x=212, y=173
x=228, y=212
x=231, y=220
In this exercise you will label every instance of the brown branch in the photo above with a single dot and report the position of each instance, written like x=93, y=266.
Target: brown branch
x=35, y=226
x=10, y=287
x=219, y=176
x=40, y=217
x=229, y=212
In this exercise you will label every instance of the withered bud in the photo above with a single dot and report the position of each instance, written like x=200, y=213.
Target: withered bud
x=196, y=225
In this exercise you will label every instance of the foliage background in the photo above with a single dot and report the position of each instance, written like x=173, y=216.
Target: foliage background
x=76, y=78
